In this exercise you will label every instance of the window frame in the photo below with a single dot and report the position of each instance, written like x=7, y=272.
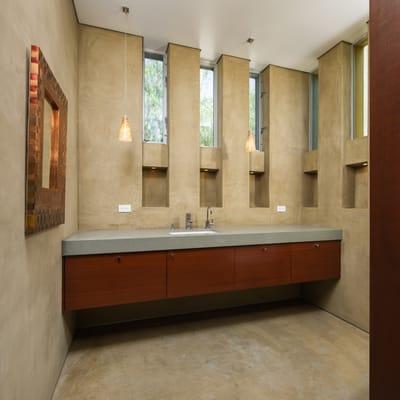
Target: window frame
x=313, y=106
x=159, y=57
x=258, y=111
x=357, y=100
x=212, y=67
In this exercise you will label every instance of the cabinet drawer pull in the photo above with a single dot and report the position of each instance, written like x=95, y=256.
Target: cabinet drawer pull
x=316, y=245
x=118, y=259
x=171, y=255
x=265, y=249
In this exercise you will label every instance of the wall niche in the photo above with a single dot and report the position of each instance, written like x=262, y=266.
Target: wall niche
x=155, y=187
x=258, y=180
x=310, y=189
x=210, y=177
x=355, y=190
x=210, y=188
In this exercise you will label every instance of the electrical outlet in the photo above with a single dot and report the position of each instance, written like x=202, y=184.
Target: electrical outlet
x=124, y=208
x=281, y=209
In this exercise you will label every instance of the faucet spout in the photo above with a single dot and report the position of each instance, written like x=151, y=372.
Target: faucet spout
x=209, y=221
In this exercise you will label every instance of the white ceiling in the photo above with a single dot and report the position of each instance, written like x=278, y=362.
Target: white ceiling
x=290, y=33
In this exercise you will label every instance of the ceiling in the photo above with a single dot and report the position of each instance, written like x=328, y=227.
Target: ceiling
x=289, y=33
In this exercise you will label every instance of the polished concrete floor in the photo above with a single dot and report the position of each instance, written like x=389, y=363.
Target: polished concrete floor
x=286, y=353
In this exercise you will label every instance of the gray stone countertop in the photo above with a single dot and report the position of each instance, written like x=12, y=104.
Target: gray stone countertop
x=140, y=240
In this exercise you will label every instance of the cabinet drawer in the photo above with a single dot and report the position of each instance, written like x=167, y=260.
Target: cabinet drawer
x=315, y=261
x=258, y=266
x=194, y=272
x=102, y=280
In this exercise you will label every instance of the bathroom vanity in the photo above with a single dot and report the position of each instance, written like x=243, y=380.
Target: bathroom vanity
x=104, y=268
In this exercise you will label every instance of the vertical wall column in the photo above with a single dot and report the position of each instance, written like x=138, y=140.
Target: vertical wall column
x=349, y=297
x=183, y=128
x=110, y=172
x=334, y=123
x=233, y=107
x=285, y=137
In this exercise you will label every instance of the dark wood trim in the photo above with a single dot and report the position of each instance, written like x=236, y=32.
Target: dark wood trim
x=384, y=42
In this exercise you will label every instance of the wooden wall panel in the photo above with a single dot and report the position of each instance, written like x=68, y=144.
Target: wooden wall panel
x=385, y=198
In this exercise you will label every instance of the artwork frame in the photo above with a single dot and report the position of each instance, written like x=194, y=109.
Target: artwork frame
x=45, y=206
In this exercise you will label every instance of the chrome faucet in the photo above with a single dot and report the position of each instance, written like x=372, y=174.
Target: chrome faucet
x=209, y=221
x=188, y=221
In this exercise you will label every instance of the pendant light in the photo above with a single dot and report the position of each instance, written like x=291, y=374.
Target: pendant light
x=125, y=133
x=250, y=142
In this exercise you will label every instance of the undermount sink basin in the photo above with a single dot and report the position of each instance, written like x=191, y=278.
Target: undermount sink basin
x=192, y=232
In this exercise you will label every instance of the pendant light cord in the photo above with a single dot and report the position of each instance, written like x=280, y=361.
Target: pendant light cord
x=125, y=73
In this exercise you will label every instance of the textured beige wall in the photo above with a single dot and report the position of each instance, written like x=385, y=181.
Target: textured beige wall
x=110, y=172
x=183, y=126
x=349, y=297
x=33, y=334
x=287, y=131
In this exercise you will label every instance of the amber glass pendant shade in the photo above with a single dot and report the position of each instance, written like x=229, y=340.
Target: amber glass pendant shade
x=250, y=143
x=125, y=134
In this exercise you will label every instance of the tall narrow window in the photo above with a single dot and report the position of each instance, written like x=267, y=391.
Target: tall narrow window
x=313, y=111
x=154, y=121
x=361, y=89
x=254, y=109
x=207, y=113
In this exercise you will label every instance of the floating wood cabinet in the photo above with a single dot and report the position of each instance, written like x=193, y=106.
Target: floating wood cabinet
x=103, y=280
x=193, y=272
x=258, y=266
x=315, y=261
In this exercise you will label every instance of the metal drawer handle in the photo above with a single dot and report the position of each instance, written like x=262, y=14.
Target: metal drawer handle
x=265, y=249
x=119, y=259
x=172, y=255
x=316, y=245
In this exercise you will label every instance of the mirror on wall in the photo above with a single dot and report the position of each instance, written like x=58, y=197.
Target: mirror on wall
x=46, y=147
x=48, y=126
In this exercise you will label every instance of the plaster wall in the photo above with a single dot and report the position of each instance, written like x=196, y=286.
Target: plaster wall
x=34, y=336
x=349, y=297
x=110, y=172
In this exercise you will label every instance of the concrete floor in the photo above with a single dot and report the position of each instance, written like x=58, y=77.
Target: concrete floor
x=290, y=353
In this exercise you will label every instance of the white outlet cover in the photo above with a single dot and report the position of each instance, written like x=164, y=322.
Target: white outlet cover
x=281, y=209
x=124, y=208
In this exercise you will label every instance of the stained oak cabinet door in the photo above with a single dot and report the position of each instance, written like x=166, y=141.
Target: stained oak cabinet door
x=195, y=272
x=102, y=280
x=258, y=266
x=315, y=261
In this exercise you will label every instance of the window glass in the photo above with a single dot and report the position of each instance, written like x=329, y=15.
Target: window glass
x=361, y=89
x=207, y=137
x=313, y=111
x=154, y=129
x=254, y=109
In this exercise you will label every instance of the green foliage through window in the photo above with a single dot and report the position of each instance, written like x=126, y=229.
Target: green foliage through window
x=254, y=109
x=252, y=104
x=154, y=123
x=206, y=107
